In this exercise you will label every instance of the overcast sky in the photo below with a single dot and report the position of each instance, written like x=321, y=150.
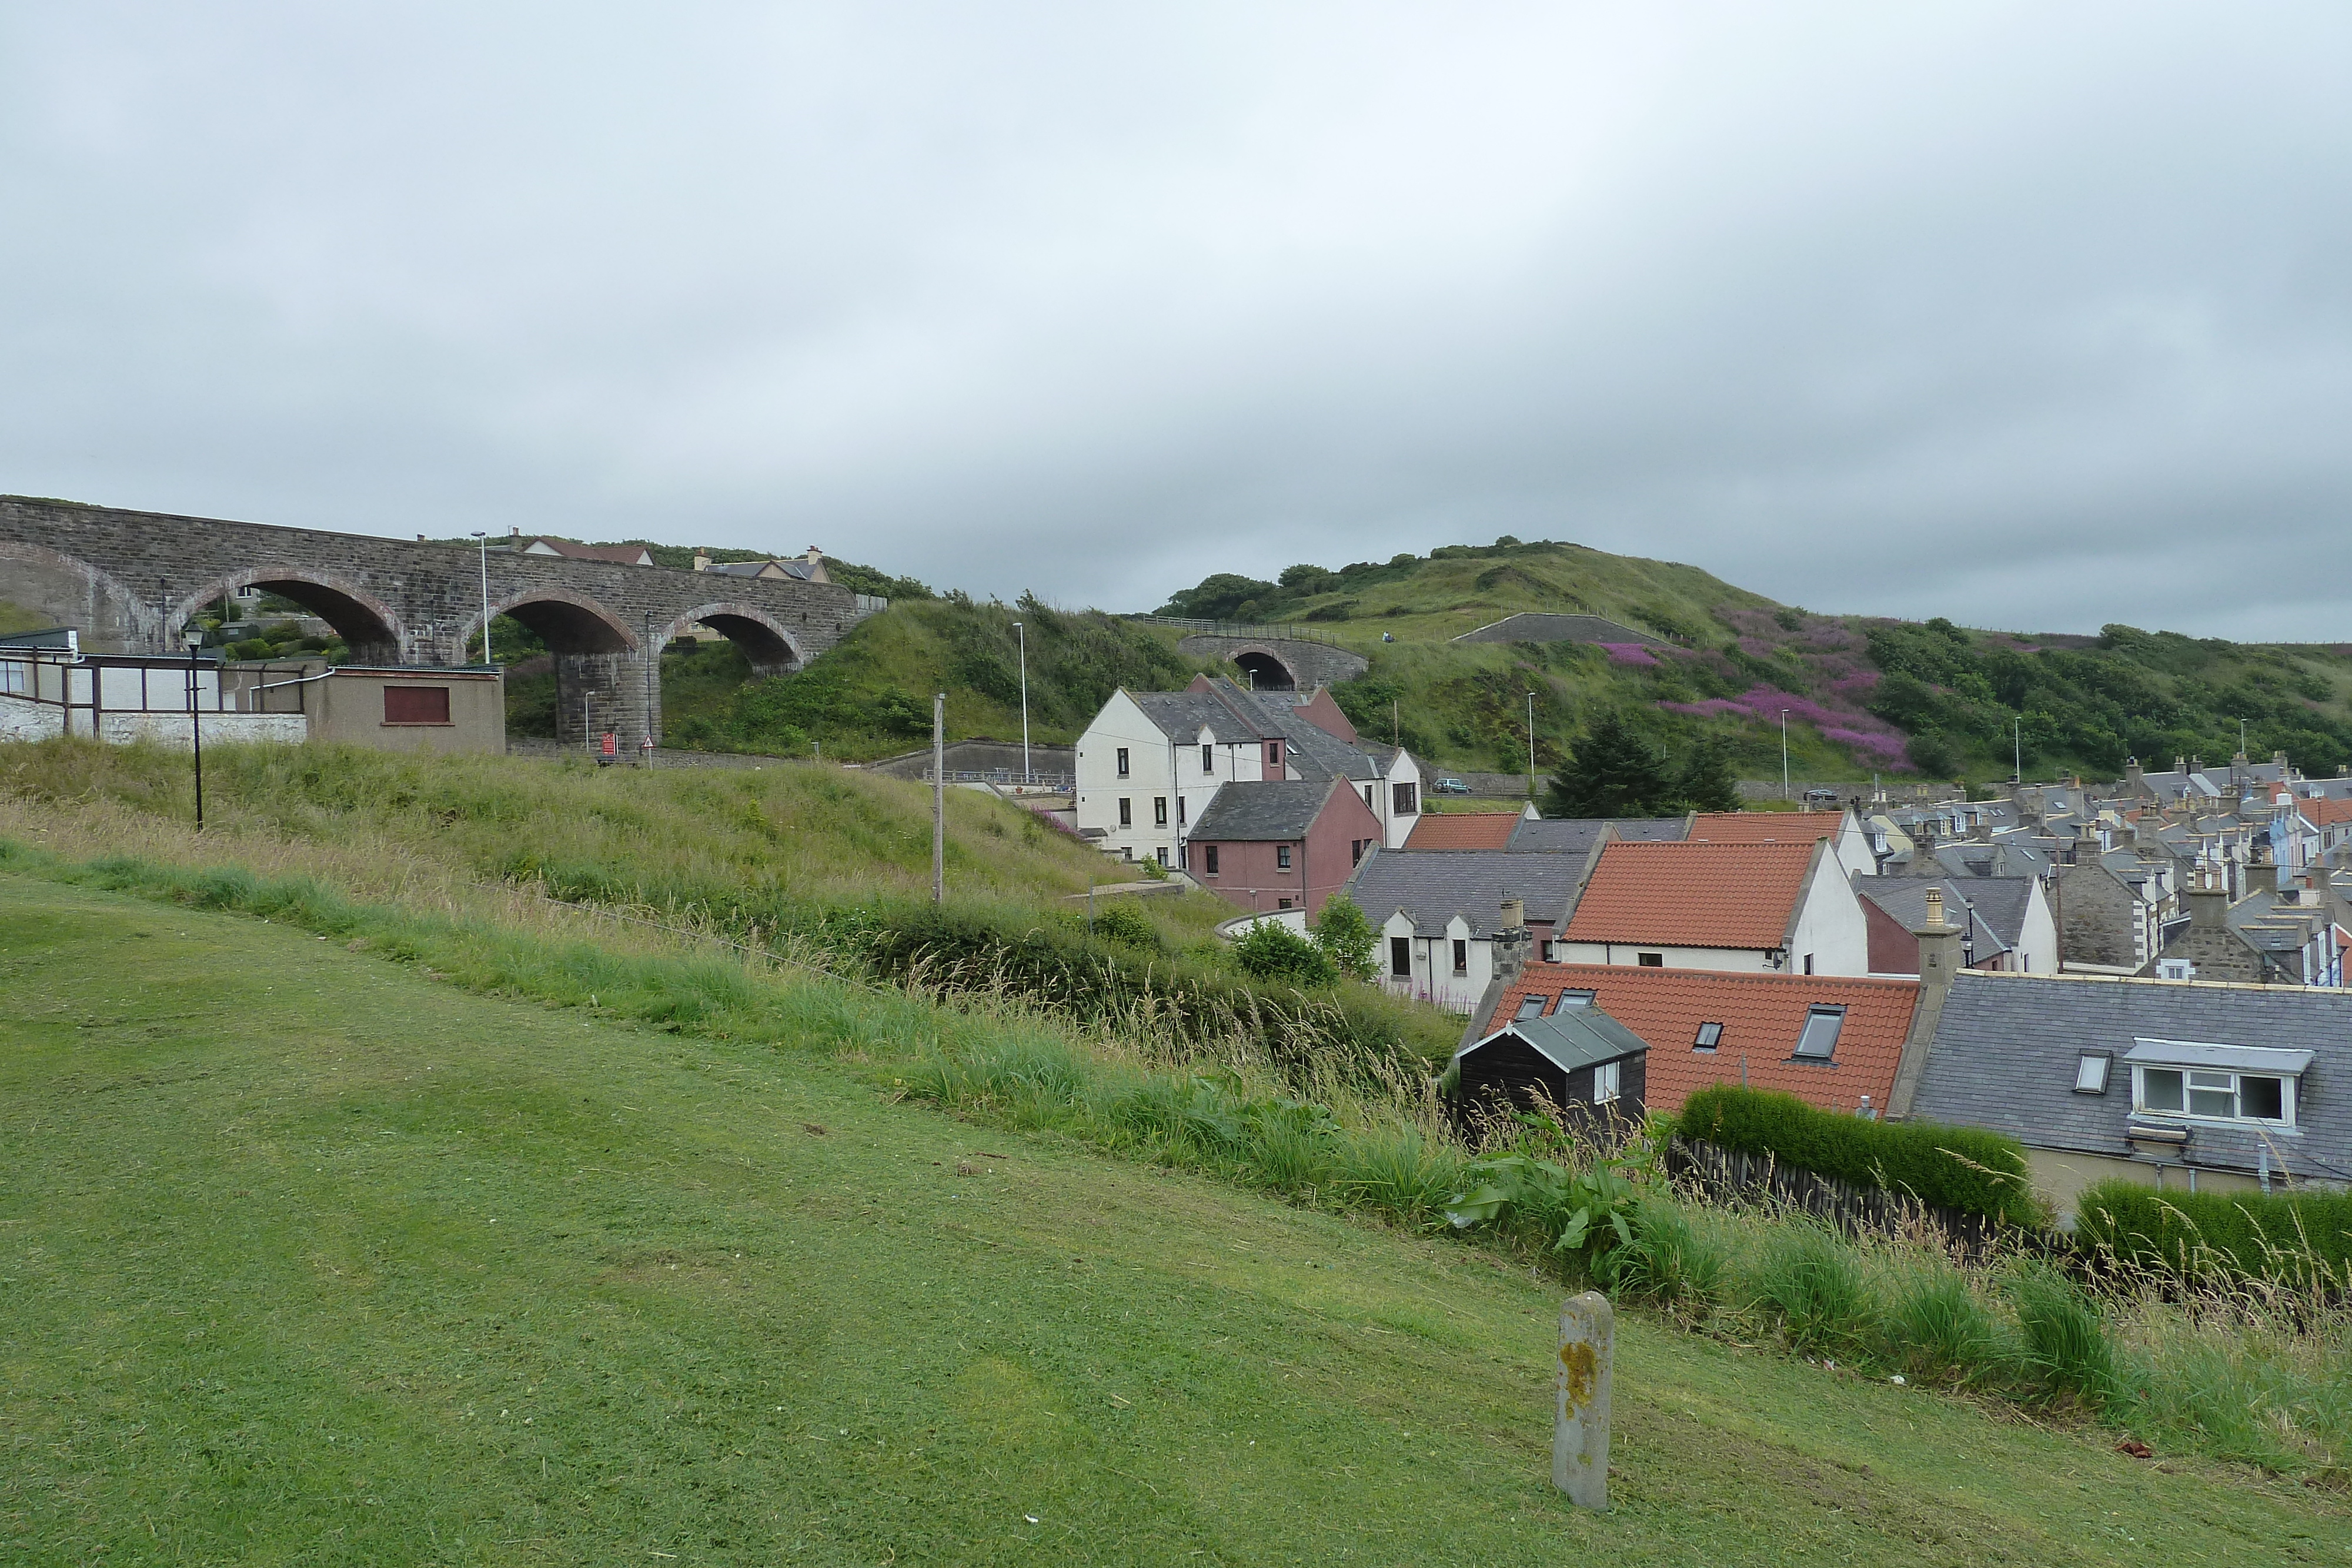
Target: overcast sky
x=2034, y=316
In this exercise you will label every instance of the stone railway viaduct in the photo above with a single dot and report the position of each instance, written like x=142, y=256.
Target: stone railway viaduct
x=128, y=581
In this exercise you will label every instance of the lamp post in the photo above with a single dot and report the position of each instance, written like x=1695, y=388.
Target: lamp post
x=195, y=636
x=485, y=540
x=1027, y=776
x=1531, y=744
x=1784, y=754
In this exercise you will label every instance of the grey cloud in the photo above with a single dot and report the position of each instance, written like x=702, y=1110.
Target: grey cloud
x=2032, y=318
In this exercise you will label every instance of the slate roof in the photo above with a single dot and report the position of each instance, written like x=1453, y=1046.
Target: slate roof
x=1761, y=1015
x=620, y=555
x=1252, y=810
x=1568, y=1037
x=2007, y=1046
x=1433, y=888
x=1691, y=895
x=1765, y=827
x=1577, y=835
x=1181, y=716
x=1462, y=831
x=795, y=567
x=2000, y=904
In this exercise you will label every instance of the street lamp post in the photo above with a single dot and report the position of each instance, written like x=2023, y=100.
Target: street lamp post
x=195, y=636
x=485, y=540
x=1784, y=754
x=1027, y=777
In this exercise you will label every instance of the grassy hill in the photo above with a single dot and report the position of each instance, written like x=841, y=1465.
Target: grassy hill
x=322, y=1251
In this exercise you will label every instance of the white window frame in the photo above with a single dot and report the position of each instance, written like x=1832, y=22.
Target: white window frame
x=2218, y=1079
x=1605, y=1083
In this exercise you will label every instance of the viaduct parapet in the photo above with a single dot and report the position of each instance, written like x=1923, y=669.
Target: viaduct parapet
x=129, y=581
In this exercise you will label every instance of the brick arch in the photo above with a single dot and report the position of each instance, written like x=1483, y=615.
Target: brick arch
x=109, y=616
x=766, y=643
x=566, y=620
x=368, y=626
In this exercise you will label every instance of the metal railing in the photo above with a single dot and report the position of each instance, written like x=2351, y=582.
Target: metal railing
x=1292, y=631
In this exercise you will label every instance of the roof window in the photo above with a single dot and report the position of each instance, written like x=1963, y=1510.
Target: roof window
x=1574, y=999
x=1818, y=1041
x=1710, y=1035
x=2091, y=1071
x=1530, y=1006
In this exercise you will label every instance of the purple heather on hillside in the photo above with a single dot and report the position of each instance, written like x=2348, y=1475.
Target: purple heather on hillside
x=1628, y=653
x=1872, y=737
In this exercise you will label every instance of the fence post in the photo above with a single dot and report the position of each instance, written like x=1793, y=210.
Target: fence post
x=1580, y=1441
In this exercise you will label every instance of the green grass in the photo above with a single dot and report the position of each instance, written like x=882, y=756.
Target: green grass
x=308, y=1257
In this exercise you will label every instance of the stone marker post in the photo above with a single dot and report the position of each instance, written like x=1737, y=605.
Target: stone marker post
x=1580, y=1442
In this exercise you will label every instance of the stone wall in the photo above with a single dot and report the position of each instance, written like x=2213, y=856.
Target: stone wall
x=1309, y=664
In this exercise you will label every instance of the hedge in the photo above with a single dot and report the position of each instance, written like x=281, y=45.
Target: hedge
x=2305, y=1237
x=1966, y=1168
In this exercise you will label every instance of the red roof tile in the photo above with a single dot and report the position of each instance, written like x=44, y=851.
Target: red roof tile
x=1765, y=827
x=1761, y=1015
x=1691, y=895
x=2325, y=813
x=1462, y=831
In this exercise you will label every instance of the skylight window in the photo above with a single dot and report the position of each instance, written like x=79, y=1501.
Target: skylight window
x=1574, y=999
x=1818, y=1041
x=1531, y=1007
x=1710, y=1035
x=2091, y=1072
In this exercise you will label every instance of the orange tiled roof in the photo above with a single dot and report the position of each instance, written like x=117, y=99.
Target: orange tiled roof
x=1462, y=831
x=1691, y=895
x=2325, y=813
x=1761, y=1015
x=1765, y=827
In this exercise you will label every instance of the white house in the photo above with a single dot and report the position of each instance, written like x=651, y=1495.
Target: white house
x=1150, y=762
x=1442, y=914
x=1782, y=907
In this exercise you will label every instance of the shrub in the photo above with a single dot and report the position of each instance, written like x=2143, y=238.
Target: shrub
x=2302, y=1238
x=1347, y=937
x=2065, y=1341
x=1668, y=1261
x=1809, y=1281
x=1121, y=921
x=1938, y=1325
x=1271, y=950
x=1964, y=1168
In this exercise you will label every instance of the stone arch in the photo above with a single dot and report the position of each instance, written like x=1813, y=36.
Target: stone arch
x=770, y=648
x=1264, y=670
x=67, y=590
x=368, y=626
x=566, y=621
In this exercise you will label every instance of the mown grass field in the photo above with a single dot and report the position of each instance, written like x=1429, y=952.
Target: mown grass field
x=309, y=1256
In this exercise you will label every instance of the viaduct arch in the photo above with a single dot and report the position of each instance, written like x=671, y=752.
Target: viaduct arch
x=129, y=581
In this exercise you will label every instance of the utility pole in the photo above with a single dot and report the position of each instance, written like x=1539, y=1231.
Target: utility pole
x=1394, y=724
x=1784, y=756
x=652, y=668
x=2017, y=748
x=1532, y=742
x=195, y=640
x=485, y=540
x=938, y=798
x=1027, y=776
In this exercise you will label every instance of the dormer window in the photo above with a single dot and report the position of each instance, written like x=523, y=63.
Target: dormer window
x=1710, y=1035
x=1208, y=758
x=1819, y=1040
x=2216, y=1082
x=1274, y=754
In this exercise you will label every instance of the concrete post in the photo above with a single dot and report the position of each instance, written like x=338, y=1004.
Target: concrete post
x=1580, y=1442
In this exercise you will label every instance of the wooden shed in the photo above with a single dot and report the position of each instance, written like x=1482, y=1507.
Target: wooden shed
x=1582, y=1060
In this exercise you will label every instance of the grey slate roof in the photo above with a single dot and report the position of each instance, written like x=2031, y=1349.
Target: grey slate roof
x=1248, y=811
x=1577, y=835
x=1432, y=886
x=1570, y=1038
x=2007, y=1046
x=1999, y=903
x=1181, y=716
x=1315, y=752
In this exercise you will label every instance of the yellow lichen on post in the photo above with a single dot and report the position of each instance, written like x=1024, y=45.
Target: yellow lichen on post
x=1579, y=1444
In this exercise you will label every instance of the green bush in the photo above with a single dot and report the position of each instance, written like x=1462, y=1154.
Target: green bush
x=1809, y=1284
x=2066, y=1342
x=1121, y=921
x=1271, y=950
x=1347, y=937
x=1964, y=1168
x=2303, y=1238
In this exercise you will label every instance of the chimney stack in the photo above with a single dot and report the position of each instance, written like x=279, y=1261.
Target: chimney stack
x=701, y=561
x=1515, y=914
x=1514, y=943
x=1940, y=961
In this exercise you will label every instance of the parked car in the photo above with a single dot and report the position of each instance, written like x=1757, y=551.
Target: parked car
x=1819, y=798
x=1449, y=787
